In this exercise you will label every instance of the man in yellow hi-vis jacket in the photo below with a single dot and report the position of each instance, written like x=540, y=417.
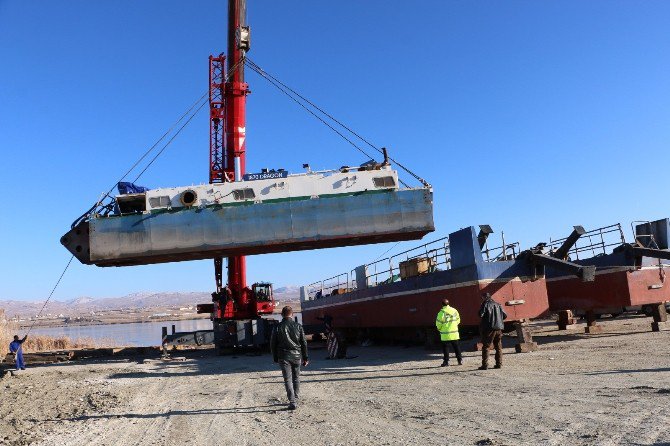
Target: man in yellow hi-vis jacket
x=447, y=324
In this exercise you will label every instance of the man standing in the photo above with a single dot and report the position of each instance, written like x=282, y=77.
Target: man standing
x=447, y=324
x=16, y=348
x=289, y=349
x=491, y=325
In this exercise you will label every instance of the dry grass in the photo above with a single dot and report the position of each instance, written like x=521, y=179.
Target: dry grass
x=37, y=343
x=5, y=337
x=47, y=343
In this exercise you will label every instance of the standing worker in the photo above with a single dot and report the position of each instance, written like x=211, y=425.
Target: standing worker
x=289, y=349
x=16, y=349
x=491, y=325
x=447, y=324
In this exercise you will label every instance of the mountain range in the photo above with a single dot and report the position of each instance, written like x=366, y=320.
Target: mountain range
x=134, y=301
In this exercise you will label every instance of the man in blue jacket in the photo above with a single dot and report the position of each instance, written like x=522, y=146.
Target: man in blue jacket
x=491, y=325
x=17, y=350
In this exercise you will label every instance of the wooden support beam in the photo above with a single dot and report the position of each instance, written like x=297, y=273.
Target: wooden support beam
x=565, y=320
x=525, y=338
x=592, y=326
x=660, y=316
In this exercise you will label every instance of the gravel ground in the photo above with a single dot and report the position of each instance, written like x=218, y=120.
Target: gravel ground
x=606, y=389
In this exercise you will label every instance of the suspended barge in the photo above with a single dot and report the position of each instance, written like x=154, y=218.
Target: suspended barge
x=627, y=274
x=267, y=212
x=396, y=298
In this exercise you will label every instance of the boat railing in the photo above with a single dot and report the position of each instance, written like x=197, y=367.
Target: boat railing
x=333, y=285
x=507, y=251
x=383, y=271
x=592, y=243
x=388, y=270
x=327, y=172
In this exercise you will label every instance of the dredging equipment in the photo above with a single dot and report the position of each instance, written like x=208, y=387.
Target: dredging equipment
x=627, y=274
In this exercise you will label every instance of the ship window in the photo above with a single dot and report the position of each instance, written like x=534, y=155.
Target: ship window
x=383, y=182
x=159, y=202
x=244, y=194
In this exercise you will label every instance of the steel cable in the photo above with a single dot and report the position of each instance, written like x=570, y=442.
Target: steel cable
x=278, y=85
x=167, y=132
x=227, y=77
x=50, y=295
x=268, y=76
x=172, y=127
x=170, y=140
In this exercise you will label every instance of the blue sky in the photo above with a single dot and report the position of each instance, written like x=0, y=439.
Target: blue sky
x=529, y=116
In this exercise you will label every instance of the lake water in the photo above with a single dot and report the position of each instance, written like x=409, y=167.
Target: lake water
x=139, y=334
x=135, y=335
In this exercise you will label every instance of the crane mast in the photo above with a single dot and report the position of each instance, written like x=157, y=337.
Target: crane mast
x=227, y=98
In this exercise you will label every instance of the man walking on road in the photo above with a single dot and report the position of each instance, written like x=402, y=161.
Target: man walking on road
x=16, y=348
x=289, y=349
x=447, y=324
x=491, y=325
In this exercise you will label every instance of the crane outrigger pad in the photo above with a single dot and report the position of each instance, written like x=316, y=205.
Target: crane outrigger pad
x=267, y=213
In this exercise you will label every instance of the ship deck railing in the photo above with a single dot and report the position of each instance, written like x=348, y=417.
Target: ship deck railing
x=387, y=270
x=506, y=251
x=383, y=271
x=596, y=242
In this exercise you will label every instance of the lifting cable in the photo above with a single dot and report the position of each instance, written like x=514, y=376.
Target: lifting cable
x=190, y=118
x=281, y=87
x=169, y=141
x=50, y=294
x=167, y=132
x=385, y=252
x=190, y=113
x=293, y=94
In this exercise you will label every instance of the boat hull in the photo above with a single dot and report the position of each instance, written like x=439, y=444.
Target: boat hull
x=622, y=279
x=253, y=228
x=615, y=287
x=412, y=303
x=415, y=303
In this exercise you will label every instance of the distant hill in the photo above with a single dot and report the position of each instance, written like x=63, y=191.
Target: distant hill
x=140, y=300
x=288, y=292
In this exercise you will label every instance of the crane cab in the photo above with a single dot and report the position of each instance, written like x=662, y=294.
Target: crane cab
x=262, y=292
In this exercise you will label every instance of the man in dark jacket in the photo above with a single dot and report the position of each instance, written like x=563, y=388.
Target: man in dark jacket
x=491, y=325
x=289, y=349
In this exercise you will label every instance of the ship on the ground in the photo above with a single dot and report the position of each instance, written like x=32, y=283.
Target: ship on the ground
x=398, y=297
x=627, y=274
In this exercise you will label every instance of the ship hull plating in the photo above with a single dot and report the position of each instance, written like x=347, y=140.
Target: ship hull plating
x=408, y=307
x=416, y=303
x=253, y=228
x=623, y=278
x=613, y=288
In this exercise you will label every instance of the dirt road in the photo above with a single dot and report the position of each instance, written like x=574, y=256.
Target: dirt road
x=606, y=389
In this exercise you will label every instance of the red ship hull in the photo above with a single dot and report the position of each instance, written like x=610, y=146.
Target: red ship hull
x=617, y=287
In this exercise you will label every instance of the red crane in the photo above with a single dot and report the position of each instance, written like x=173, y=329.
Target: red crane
x=227, y=153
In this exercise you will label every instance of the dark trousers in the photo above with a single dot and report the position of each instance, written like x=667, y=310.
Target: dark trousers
x=455, y=346
x=291, y=372
x=492, y=337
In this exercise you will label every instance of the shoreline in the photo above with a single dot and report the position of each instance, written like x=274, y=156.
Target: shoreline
x=112, y=322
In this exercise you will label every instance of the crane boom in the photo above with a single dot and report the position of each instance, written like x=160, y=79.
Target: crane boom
x=227, y=94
